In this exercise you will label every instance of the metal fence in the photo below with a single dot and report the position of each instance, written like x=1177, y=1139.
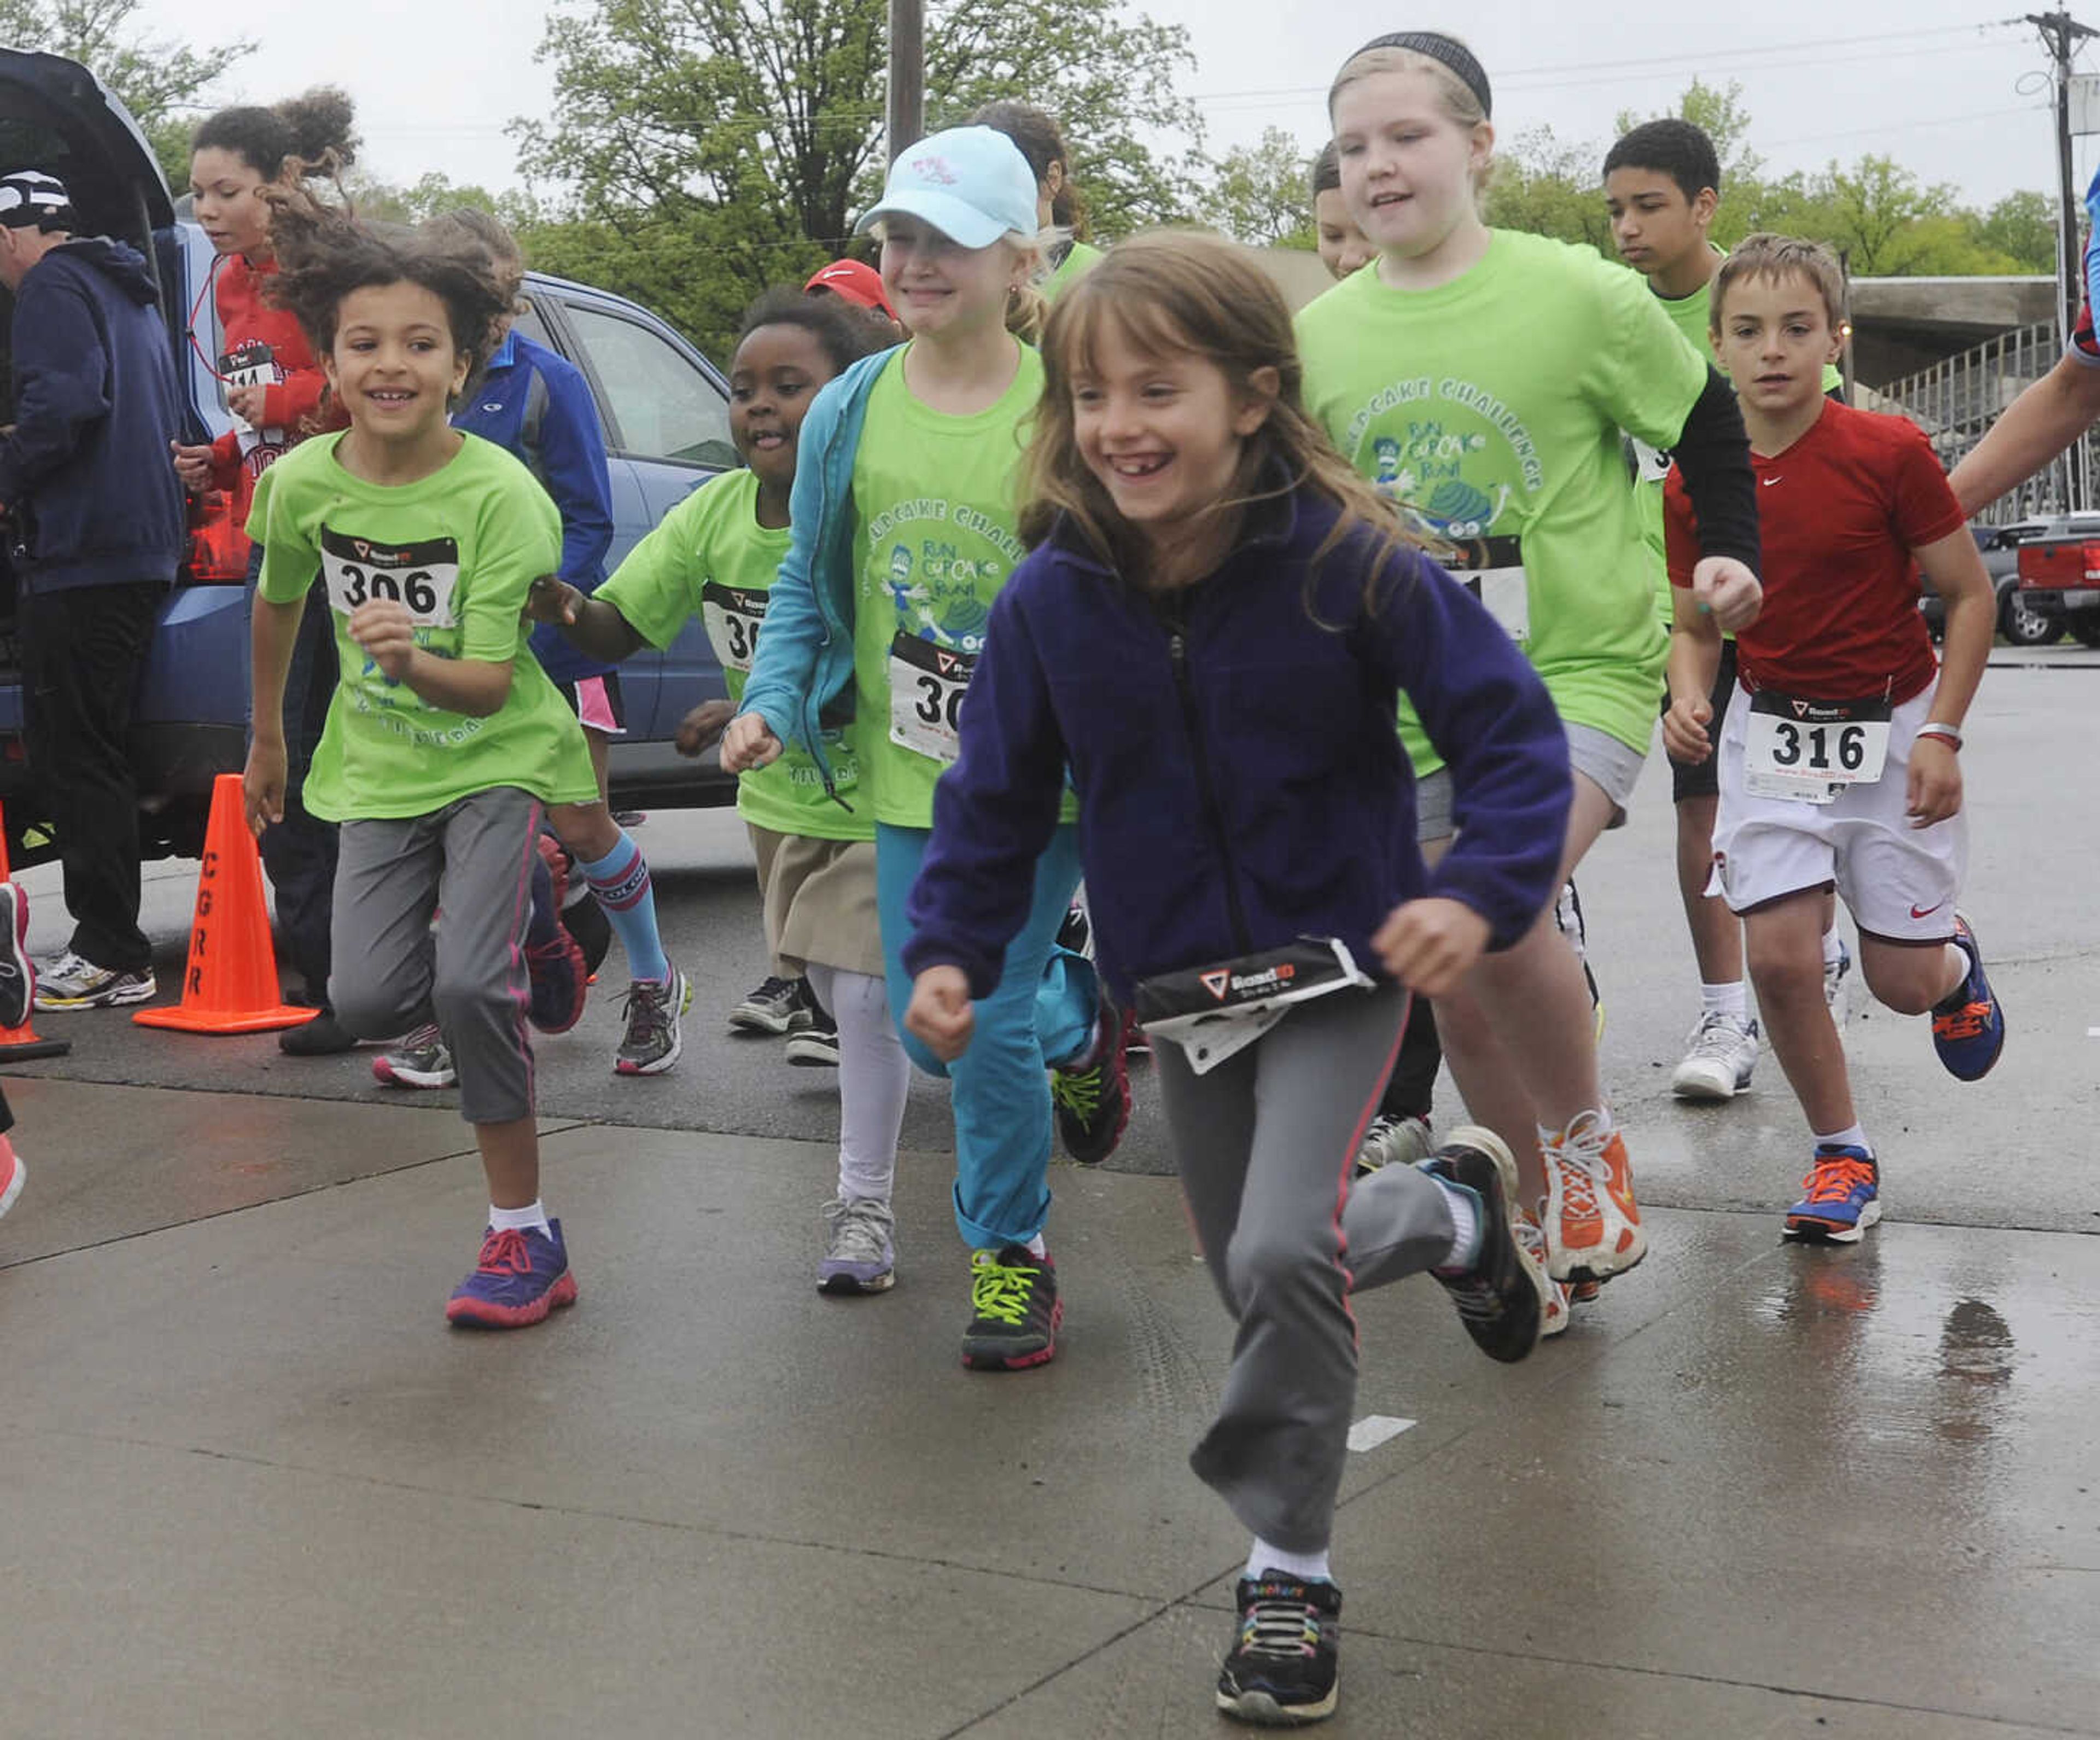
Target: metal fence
x=1954, y=401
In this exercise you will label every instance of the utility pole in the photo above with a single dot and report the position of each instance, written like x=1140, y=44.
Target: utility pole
x=2060, y=33
x=907, y=108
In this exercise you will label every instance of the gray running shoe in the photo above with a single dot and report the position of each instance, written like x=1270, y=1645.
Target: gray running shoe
x=779, y=1006
x=860, y=1255
x=74, y=982
x=653, y=1040
x=422, y=1059
x=1395, y=1141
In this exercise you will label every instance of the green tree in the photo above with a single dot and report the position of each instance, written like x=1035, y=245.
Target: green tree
x=703, y=149
x=163, y=82
x=2022, y=228
x=1548, y=186
x=1263, y=194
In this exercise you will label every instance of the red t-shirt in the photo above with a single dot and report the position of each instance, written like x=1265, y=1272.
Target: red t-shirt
x=1841, y=511
x=289, y=404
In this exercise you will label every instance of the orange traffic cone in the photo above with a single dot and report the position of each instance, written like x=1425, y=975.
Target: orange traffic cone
x=19, y=1044
x=230, y=985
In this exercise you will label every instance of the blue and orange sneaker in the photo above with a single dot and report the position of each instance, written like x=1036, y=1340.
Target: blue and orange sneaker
x=553, y=959
x=521, y=1277
x=1842, y=1196
x=1969, y=1029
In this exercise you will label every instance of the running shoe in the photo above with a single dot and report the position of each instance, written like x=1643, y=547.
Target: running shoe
x=1718, y=1061
x=72, y=982
x=1593, y=1225
x=1280, y=1670
x=13, y=1173
x=322, y=1037
x=1076, y=931
x=422, y=1059
x=1968, y=1028
x=1841, y=1196
x=1014, y=1310
x=1559, y=1296
x=18, y=973
x=1501, y=1298
x=860, y=1252
x=779, y=1006
x=1834, y=988
x=816, y=1046
x=1395, y=1142
x=654, y=1038
x=521, y=1277
x=1092, y=1100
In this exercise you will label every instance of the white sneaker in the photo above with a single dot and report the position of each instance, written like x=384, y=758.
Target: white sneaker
x=1553, y=1319
x=1717, y=1063
x=1593, y=1225
x=72, y=982
x=1834, y=988
x=1395, y=1141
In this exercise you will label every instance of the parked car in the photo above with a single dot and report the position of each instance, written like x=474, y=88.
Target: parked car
x=665, y=409
x=2021, y=619
x=2060, y=573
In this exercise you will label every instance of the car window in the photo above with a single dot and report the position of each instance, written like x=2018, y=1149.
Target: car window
x=663, y=407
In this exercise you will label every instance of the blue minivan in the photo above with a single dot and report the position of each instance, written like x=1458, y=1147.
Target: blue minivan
x=665, y=409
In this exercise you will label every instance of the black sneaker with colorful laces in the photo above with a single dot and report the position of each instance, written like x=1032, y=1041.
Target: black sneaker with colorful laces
x=1092, y=1099
x=1501, y=1298
x=1280, y=1670
x=1014, y=1310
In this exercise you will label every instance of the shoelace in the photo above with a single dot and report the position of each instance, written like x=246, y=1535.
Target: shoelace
x=857, y=1236
x=1578, y=1156
x=427, y=1037
x=1278, y=1627
x=505, y=1253
x=1718, y=1037
x=1078, y=1091
x=1002, y=1292
x=643, y=1010
x=772, y=991
x=1970, y=1021
x=1835, y=1177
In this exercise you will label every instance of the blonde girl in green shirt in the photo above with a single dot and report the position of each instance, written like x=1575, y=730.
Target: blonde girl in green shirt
x=1481, y=378
x=1060, y=211
x=445, y=741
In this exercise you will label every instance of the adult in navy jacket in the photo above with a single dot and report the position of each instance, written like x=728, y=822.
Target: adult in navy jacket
x=97, y=520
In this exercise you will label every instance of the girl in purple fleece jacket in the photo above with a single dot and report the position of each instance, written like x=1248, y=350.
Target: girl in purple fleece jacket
x=1210, y=635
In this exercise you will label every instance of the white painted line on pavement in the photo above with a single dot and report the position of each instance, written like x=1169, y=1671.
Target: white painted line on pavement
x=1374, y=1429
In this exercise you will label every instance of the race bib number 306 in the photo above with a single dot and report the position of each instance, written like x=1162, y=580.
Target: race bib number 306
x=927, y=683
x=423, y=577
x=1812, y=751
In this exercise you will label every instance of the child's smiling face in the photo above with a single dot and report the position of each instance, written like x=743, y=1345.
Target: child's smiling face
x=775, y=373
x=393, y=365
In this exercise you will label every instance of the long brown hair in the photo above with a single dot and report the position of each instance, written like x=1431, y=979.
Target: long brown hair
x=1171, y=292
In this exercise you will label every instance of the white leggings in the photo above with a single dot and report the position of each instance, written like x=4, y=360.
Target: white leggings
x=874, y=1078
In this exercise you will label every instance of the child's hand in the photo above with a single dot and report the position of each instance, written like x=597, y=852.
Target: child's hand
x=1684, y=730
x=1934, y=791
x=263, y=784
x=701, y=727
x=193, y=466
x=749, y=743
x=941, y=1017
x=388, y=633
x=246, y=402
x=553, y=601
x=1430, y=944
x=1729, y=591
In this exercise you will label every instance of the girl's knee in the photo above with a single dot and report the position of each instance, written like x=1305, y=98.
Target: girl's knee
x=368, y=1005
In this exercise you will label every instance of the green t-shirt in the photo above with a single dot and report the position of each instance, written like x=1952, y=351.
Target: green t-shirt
x=935, y=505
x=460, y=548
x=1079, y=259
x=1490, y=407
x=711, y=558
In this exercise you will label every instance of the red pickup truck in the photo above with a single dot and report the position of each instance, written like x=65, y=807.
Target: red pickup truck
x=2060, y=574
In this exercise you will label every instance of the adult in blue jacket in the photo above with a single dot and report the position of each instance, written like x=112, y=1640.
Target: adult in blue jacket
x=97, y=522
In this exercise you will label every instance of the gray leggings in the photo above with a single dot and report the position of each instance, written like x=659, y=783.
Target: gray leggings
x=473, y=858
x=1266, y=1144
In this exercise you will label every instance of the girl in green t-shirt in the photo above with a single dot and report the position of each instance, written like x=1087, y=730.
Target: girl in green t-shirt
x=1060, y=211
x=1481, y=378
x=445, y=739
x=715, y=557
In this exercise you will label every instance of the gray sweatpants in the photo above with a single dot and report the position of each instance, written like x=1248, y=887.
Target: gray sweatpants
x=473, y=858
x=1266, y=1144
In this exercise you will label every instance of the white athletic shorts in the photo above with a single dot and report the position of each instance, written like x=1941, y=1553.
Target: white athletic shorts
x=1897, y=881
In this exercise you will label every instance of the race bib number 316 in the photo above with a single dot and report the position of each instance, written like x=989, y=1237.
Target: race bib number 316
x=1812, y=751
x=423, y=577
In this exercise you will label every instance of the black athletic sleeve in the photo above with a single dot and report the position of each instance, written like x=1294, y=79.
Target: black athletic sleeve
x=1714, y=454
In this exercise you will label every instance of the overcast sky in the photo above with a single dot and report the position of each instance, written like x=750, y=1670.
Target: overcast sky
x=1926, y=82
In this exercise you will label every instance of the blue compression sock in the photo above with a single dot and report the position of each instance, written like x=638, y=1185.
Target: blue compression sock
x=621, y=881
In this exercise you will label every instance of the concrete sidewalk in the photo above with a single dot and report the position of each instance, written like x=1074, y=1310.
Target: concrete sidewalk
x=250, y=1485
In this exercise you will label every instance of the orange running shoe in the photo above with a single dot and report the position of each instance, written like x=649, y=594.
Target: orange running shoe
x=1593, y=1225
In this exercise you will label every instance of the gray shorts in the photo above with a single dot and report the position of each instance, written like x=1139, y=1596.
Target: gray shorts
x=1602, y=758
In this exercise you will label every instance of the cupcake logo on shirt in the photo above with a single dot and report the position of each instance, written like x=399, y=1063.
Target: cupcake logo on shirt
x=1451, y=453
x=944, y=565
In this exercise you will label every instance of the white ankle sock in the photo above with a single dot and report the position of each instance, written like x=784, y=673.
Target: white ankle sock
x=1308, y=1567
x=1850, y=1137
x=1037, y=1249
x=518, y=1220
x=1465, y=1207
x=1731, y=1000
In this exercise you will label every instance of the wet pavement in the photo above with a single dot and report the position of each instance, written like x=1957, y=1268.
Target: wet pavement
x=250, y=1484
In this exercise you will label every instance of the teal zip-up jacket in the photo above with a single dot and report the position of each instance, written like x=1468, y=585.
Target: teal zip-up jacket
x=804, y=664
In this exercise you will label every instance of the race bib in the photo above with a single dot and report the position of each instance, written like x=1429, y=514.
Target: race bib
x=927, y=683
x=1812, y=751
x=251, y=365
x=1492, y=570
x=1214, y=1012
x=422, y=576
x=732, y=615
x=1651, y=465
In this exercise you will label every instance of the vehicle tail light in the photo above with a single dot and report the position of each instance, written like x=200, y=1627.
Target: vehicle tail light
x=2091, y=553
x=219, y=548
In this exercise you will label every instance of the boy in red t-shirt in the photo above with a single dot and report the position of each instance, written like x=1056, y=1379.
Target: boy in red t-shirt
x=1839, y=757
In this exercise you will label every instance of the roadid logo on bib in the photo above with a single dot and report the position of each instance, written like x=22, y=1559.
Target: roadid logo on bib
x=422, y=577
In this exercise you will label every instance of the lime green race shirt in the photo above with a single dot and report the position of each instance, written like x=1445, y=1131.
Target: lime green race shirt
x=1490, y=407
x=460, y=548
x=935, y=504
x=1079, y=259
x=711, y=559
